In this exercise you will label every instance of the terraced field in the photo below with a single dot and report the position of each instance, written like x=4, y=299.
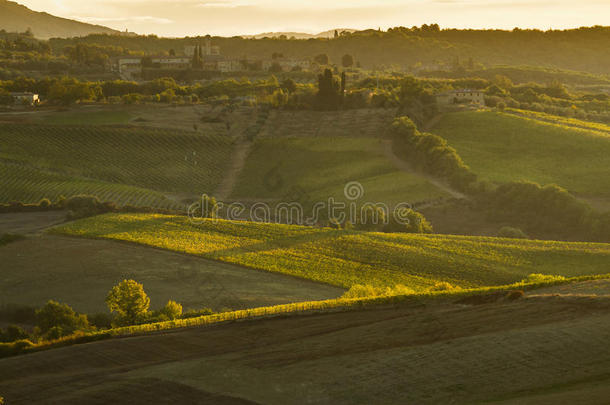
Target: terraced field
x=123, y=164
x=345, y=258
x=352, y=123
x=502, y=147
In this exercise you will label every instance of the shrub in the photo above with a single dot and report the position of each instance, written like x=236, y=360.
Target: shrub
x=172, y=310
x=56, y=320
x=364, y=291
x=409, y=221
x=541, y=278
x=444, y=286
x=129, y=301
x=514, y=295
x=45, y=203
x=549, y=210
x=510, y=232
x=361, y=291
x=206, y=208
x=195, y=313
x=12, y=333
x=19, y=346
x=79, y=202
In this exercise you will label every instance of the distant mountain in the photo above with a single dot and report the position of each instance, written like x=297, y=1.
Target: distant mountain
x=300, y=35
x=17, y=18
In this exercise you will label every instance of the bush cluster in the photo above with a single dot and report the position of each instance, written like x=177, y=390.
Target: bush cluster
x=547, y=210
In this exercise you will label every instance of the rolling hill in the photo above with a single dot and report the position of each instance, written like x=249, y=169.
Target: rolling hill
x=503, y=147
x=346, y=258
x=542, y=349
x=300, y=35
x=17, y=18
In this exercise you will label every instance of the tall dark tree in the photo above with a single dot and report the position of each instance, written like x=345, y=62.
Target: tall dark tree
x=328, y=91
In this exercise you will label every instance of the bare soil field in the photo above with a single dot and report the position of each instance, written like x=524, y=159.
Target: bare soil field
x=371, y=122
x=80, y=272
x=30, y=222
x=538, y=349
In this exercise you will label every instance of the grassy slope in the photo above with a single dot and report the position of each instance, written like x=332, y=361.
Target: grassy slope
x=345, y=258
x=160, y=160
x=502, y=147
x=311, y=155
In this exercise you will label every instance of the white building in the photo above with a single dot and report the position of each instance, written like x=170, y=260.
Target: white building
x=172, y=62
x=207, y=49
x=287, y=64
x=25, y=98
x=230, y=65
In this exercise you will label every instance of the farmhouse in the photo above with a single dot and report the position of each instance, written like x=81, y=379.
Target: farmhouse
x=230, y=65
x=461, y=97
x=25, y=98
x=171, y=62
x=287, y=64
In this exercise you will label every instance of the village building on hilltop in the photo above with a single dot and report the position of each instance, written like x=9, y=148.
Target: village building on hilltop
x=461, y=97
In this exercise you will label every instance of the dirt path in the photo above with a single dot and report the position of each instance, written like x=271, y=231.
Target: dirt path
x=245, y=140
x=238, y=161
x=404, y=166
x=30, y=223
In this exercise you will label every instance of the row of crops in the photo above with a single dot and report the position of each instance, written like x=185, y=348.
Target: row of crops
x=124, y=164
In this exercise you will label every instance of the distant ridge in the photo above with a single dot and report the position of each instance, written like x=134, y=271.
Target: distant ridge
x=17, y=18
x=301, y=35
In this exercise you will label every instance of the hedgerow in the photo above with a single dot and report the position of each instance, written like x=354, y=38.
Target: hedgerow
x=339, y=304
x=431, y=154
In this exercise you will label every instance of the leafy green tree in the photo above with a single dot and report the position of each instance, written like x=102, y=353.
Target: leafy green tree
x=129, y=301
x=347, y=61
x=56, y=320
x=172, y=310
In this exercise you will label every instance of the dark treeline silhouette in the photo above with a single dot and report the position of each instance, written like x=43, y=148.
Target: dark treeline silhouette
x=404, y=46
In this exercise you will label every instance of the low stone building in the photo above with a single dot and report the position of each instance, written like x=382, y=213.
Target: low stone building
x=25, y=98
x=461, y=97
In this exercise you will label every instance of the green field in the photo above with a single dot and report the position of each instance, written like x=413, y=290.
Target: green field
x=321, y=167
x=501, y=147
x=46, y=161
x=345, y=258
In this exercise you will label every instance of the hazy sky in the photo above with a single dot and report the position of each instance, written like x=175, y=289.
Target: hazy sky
x=233, y=17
